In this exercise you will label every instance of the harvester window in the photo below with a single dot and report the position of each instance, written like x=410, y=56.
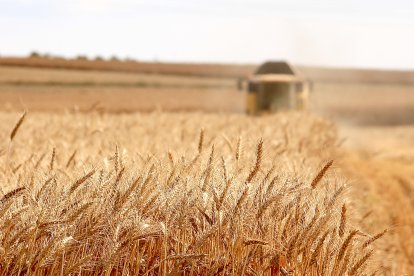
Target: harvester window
x=253, y=87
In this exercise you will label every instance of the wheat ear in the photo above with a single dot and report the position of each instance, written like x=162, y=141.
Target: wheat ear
x=256, y=168
x=321, y=173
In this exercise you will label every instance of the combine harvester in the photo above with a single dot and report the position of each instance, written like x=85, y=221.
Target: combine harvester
x=275, y=86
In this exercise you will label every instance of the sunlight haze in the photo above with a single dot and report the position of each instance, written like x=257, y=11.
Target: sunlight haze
x=365, y=34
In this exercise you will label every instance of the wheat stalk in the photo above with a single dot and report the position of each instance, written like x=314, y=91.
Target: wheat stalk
x=256, y=168
x=11, y=194
x=354, y=269
x=17, y=126
x=52, y=159
x=239, y=149
x=71, y=158
x=346, y=243
x=342, y=225
x=321, y=174
x=80, y=181
x=374, y=238
x=201, y=141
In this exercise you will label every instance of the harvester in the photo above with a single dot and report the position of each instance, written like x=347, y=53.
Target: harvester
x=275, y=86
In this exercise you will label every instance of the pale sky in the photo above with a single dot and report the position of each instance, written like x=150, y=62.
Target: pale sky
x=340, y=33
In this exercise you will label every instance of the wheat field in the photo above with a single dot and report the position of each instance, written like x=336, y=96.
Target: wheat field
x=177, y=193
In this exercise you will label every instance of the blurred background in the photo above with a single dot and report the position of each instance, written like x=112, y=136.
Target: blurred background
x=354, y=57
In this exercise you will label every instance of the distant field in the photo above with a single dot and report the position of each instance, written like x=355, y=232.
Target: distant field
x=27, y=76
x=211, y=70
x=51, y=89
x=377, y=100
x=115, y=99
x=364, y=103
x=186, y=69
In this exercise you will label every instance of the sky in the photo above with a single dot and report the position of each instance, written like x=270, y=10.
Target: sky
x=335, y=33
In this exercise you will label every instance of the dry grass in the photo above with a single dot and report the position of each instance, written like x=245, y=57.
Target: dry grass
x=152, y=194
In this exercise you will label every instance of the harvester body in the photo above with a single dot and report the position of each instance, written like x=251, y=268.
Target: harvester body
x=275, y=86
